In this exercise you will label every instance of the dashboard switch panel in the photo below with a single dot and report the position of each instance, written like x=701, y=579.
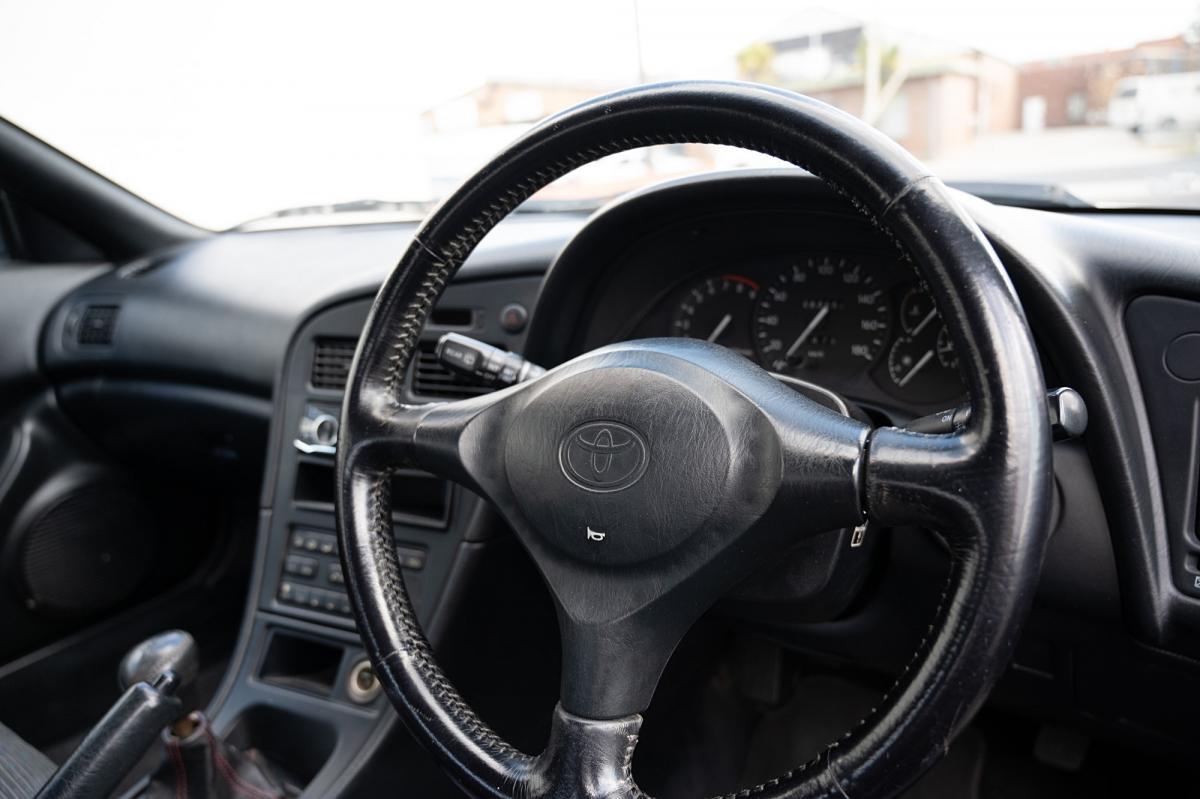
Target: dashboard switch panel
x=312, y=572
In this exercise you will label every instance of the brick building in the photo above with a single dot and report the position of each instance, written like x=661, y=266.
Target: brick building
x=929, y=96
x=1076, y=90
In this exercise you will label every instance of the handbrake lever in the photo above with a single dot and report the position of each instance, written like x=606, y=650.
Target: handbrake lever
x=152, y=675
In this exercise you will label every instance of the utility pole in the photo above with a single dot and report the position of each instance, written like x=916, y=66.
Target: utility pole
x=872, y=67
x=641, y=72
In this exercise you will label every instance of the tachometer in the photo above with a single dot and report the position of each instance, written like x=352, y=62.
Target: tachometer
x=718, y=309
x=824, y=315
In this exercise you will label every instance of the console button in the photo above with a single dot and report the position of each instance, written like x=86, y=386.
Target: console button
x=325, y=430
x=331, y=602
x=318, y=431
x=310, y=541
x=513, y=317
x=301, y=566
x=335, y=574
x=301, y=595
x=294, y=593
x=410, y=558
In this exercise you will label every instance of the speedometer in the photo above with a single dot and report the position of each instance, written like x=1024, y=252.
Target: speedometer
x=824, y=315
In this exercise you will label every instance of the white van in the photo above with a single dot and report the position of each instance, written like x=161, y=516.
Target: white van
x=1156, y=102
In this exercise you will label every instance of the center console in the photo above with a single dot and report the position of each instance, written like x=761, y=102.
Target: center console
x=300, y=688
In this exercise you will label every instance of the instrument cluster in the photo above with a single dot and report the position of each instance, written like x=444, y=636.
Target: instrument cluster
x=837, y=319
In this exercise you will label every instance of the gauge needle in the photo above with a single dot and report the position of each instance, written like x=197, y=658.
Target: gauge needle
x=720, y=328
x=918, y=366
x=804, y=334
x=928, y=318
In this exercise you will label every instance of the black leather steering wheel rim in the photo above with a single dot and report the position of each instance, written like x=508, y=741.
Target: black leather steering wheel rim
x=986, y=489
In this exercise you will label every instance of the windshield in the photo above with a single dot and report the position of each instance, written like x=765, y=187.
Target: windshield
x=224, y=112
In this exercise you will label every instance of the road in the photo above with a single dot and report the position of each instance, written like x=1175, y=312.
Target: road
x=1101, y=165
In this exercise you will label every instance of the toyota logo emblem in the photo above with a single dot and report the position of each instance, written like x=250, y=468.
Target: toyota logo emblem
x=603, y=456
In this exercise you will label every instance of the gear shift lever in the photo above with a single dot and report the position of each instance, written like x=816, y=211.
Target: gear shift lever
x=152, y=674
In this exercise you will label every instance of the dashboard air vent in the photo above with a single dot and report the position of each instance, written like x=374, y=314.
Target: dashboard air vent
x=331, y=362
x=96, y=325
x=431, y=379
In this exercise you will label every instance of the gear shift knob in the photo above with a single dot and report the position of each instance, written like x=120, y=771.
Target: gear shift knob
x=173, y=651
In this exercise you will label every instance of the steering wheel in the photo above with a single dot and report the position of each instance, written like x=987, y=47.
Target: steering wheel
x=647, y=478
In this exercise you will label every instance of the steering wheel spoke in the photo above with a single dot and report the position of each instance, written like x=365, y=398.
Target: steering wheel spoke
x=823, y=455
x=618, y=632
x=455, y=440
x=587, y=758
x=928, y=480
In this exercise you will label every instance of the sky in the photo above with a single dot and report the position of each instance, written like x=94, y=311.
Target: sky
x=224, y=110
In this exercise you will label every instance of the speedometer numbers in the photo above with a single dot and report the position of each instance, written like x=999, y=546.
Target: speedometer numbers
x=823, y=316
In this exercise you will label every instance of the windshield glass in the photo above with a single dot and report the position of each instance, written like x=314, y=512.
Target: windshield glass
x=224, y=112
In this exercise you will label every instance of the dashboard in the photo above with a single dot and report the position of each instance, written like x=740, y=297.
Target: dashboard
x=771, y=265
